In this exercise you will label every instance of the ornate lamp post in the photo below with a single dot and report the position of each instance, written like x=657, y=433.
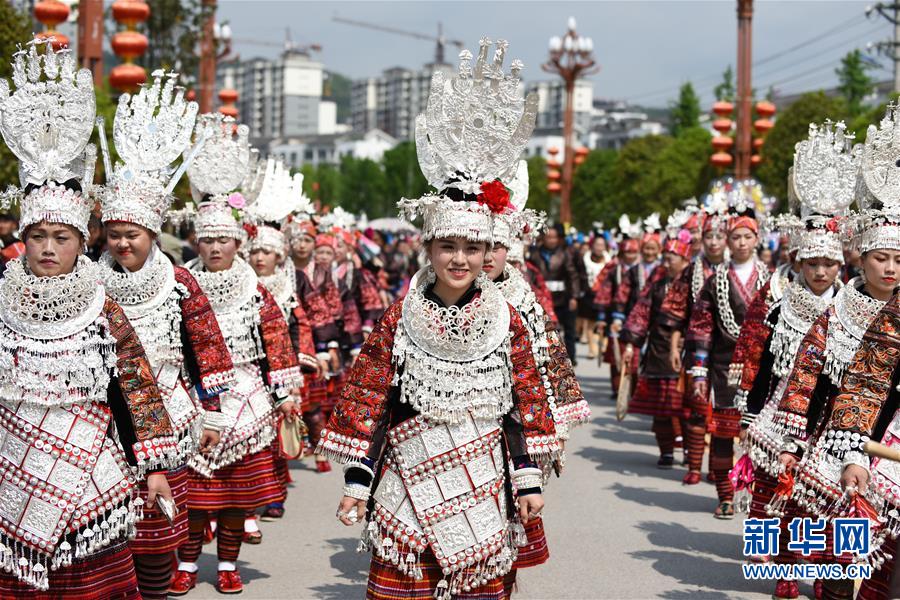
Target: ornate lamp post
x=571, y=57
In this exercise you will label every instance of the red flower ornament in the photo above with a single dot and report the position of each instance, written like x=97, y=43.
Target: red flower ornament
x=250, y=229
x=495, y=196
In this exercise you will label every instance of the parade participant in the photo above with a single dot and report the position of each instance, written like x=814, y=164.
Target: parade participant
x=641, y=275
x=238, y=474
x=711, y=336
x=301, y=233
x=657, y=392
x=82, y=419
x=820, y=254
x=675, y=314
x=272, y=198
x=866, y=406
x=593, y=262
x=530, y=273
x=609, y=281
x=559, y=272
x=446, y=363
x=170, y=314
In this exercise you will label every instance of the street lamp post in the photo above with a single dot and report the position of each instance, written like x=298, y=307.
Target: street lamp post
x=571, y=57
x=212, y=36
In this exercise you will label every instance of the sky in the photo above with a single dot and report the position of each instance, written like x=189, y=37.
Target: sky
x=645, y=49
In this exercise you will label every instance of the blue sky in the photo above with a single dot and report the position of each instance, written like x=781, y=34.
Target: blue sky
x=645, y=49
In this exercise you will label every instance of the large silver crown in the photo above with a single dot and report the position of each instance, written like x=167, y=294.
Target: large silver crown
x=224, y=162
x=151, y=131
x=826, y=165
x=47, y=122
x=476, y=124
x=878, y=189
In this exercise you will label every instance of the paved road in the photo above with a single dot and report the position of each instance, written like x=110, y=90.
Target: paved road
x=617, y=527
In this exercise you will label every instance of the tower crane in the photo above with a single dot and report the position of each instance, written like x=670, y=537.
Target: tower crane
x=439, y=39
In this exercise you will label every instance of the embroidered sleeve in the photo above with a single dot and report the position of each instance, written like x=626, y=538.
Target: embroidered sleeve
x=794, y=405
x=352, y=334
x=207, y=347
x=751, y=343
x=675, y=309
x=541, y=292
x=364, y=399
x=371, y=306
x=865, y=387
x=283, y=368
x=698, y=337
x=532, y=399
x=571, y=407
x=638, y=322
x=622, y=298
x=321, y=318
x=154, y=441
x=302, y=338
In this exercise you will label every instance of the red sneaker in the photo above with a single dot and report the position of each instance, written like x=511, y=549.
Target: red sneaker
x=229, y=582
x=786, y=590
x=691, y=478
x=323, y=466
x=182, y=583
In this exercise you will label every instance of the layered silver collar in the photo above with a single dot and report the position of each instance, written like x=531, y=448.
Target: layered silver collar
x=226, y=290
x=51, y=307
x=143, y=290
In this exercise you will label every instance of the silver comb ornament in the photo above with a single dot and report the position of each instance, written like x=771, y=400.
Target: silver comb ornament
x=223, y=163
x=47, y=121
x=826, y=165
x=476, y=124
x=150, y=132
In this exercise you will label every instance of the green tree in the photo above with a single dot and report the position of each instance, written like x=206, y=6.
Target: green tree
x=679, y=171
x=174, y=28
x=363, y=187
x=725, y=91
x=685, y=113
x=631, y=187
x=403, y=177
x=792, y=126
x=855, y=83
x=15, y=28
x=591, y=190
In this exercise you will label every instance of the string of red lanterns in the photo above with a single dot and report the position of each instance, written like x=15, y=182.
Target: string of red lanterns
x=51, y=13
x=129, y=44
x=723, y=143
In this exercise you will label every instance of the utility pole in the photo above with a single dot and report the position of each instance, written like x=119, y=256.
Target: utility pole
x=743, y=151
x=889, y=48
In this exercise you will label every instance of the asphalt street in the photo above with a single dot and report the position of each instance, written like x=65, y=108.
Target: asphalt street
x=617, y=527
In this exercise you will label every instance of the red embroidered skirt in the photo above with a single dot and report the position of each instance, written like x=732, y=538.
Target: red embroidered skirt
x=154, y=533
x=536, y=551
x=387, y=583
x=314, y=394
x=657, y=397
x=726, y=422
x=107, y=575
x=248, y=484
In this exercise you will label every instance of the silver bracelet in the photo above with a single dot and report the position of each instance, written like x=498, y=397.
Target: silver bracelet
x=527, y=477
x=357, y=491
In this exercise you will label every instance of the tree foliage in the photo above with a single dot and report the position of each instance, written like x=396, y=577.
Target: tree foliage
x=855, y=83
x=725, y=91
x=174, y=29
x=685, y=113
x=538, y=196
x=590, y=190
x=680, y=171
x=403, y=177
x=792, y=126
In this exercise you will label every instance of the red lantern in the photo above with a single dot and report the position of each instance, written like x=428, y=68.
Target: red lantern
x=130, y=12
x=60, y=40
x=553, y=187
x=127, y=77
x=722, y=125
x=553, y=164
x=722, y=142
x=765, y=108
x=758, y=143
x=554, y=175
x=721, y=159
x=763, y=125
x=723, y=109
x=552, y=150
x=129, y=44
x=51, y=13
x=755, y=160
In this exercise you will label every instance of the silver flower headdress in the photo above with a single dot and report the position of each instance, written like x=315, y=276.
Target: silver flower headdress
x=47, y=122
x=878, y=190
x=468, y=142
x=826, y=165
x=278, y=195
x=218, y=169
x=150, y=132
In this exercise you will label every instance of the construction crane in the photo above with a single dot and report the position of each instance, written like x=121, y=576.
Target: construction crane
x=440, y=40
x=288, y=44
